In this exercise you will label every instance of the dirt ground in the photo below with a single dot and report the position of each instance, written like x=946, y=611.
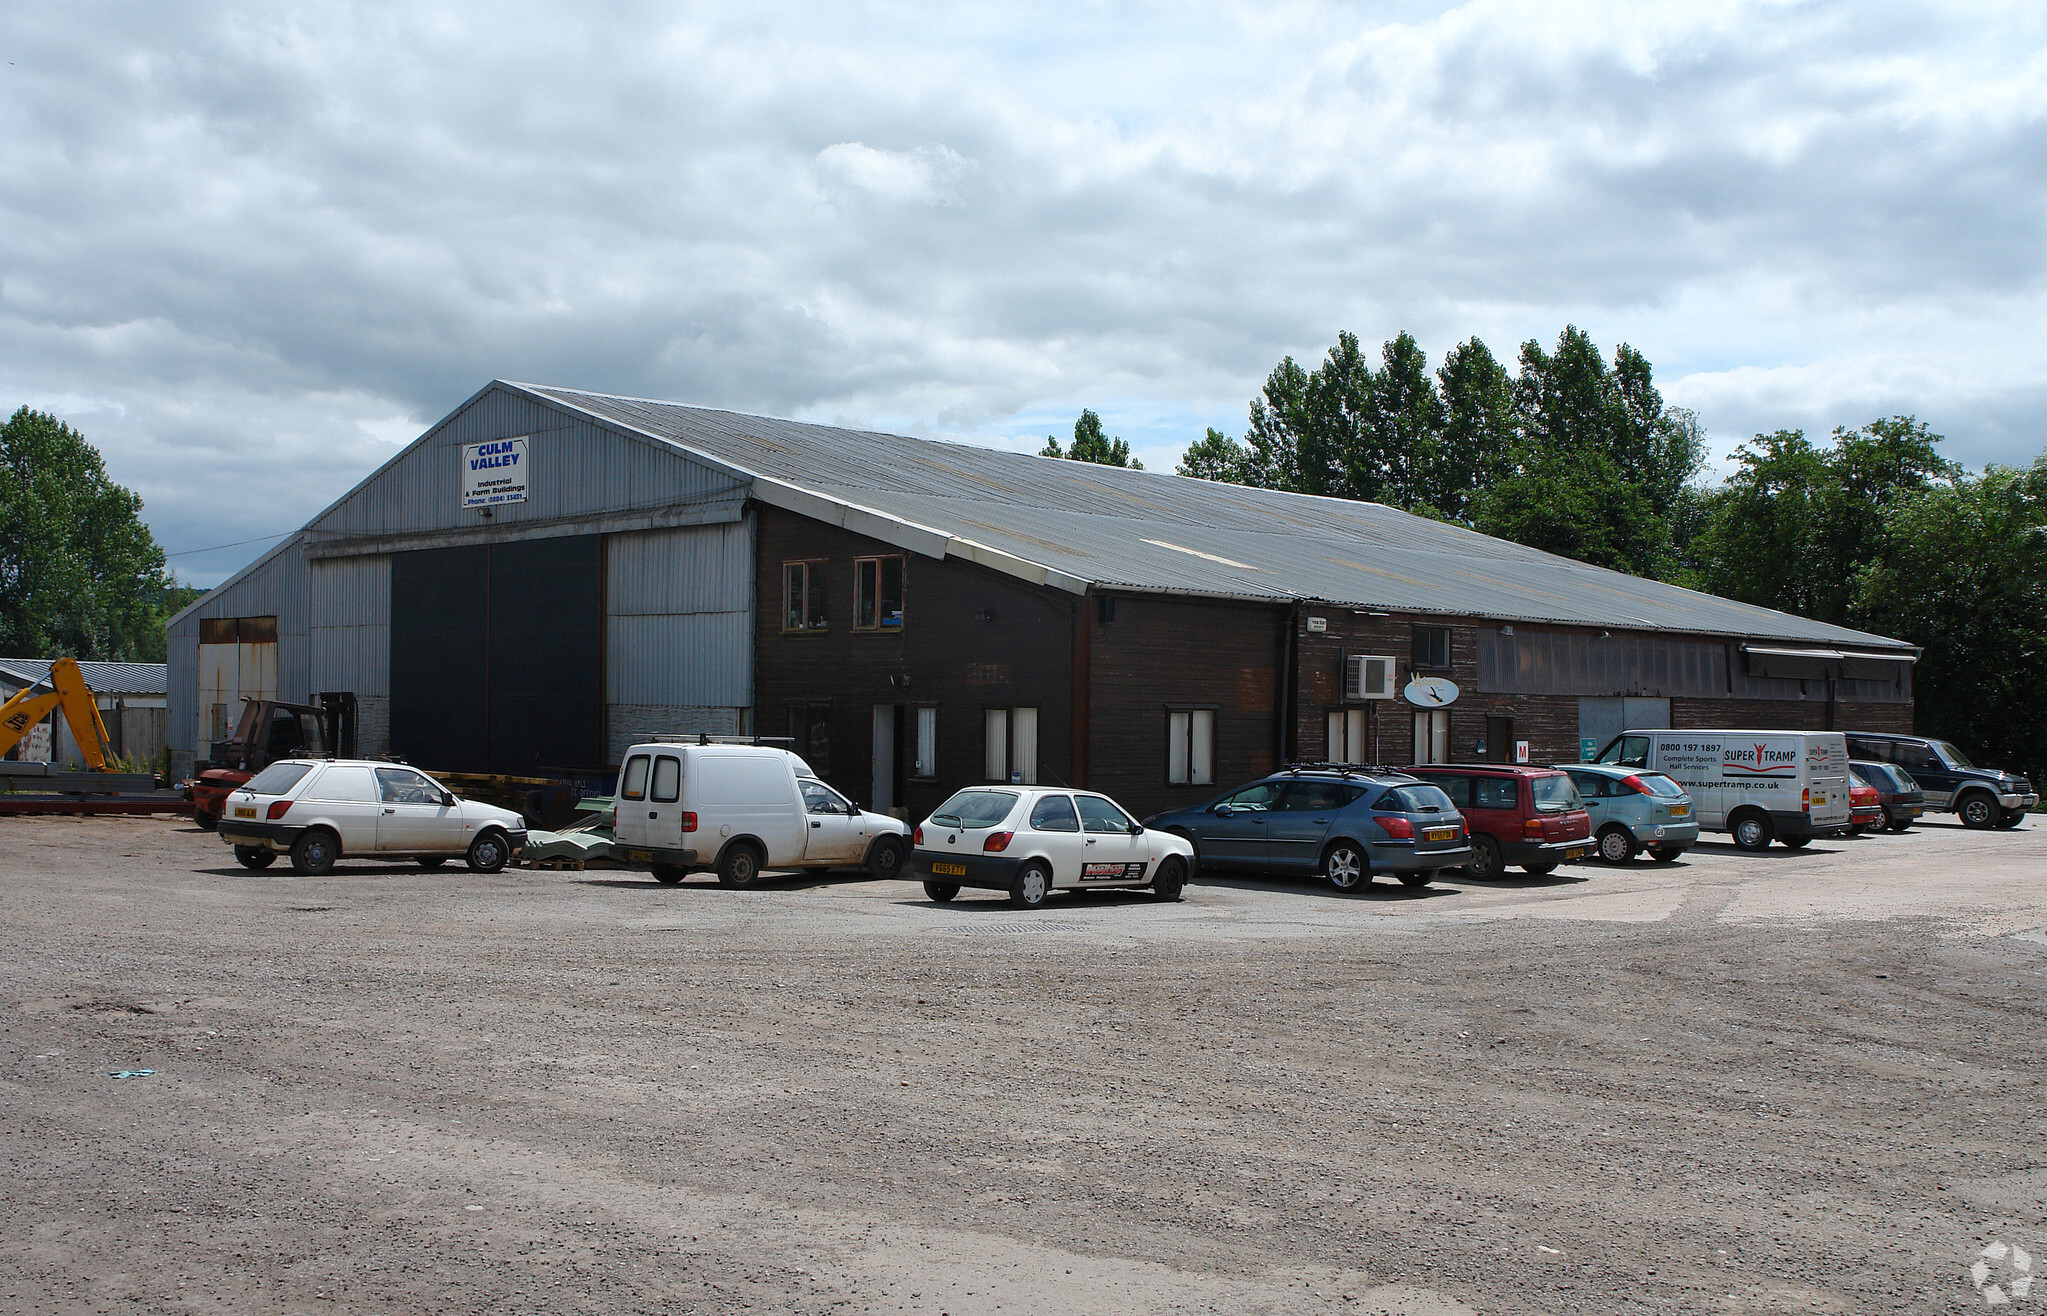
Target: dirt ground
x=1788, y=1082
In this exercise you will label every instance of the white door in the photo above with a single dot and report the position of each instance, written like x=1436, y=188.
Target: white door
x=1109, y=853
x=664, y=803
x=883, y=787
x=412, y=818
x=836, y=833
x=1055, y=829
x=349, y=798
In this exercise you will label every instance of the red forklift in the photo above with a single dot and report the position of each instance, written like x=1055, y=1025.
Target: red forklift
x=268, y=731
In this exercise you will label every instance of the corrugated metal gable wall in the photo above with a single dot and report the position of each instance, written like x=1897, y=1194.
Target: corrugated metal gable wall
x=278, y=587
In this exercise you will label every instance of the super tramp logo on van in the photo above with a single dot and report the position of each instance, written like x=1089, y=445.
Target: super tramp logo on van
x=1759, y=758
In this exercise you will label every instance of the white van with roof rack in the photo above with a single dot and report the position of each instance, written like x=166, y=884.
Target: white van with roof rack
x=736, y=807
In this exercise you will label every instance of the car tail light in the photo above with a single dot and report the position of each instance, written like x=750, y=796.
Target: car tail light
x=1399, y=827
x=1636, y=782
x=917, y=835
x=1531, y=827
x=997, y=842
x=277, y=809
x=1806, y=802
x=689, y=821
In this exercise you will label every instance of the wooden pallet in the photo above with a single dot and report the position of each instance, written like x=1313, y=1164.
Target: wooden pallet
x=554, y=865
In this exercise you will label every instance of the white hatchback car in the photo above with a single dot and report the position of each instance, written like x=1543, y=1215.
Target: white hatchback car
x=320, y=810
x=1032, y=840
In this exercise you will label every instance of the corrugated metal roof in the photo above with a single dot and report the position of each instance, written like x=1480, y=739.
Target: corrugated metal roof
x=1145, y=530
x=102, y=678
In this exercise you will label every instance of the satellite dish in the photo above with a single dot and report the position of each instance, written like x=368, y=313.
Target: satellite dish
x=1431, y=692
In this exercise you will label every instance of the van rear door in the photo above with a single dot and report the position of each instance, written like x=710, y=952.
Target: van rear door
x=1826, y=770
x=664, y=803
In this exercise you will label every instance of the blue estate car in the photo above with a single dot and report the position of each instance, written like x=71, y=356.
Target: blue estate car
x=1346, y=824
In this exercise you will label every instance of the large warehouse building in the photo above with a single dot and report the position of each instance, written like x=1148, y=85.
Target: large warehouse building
x=548, y=575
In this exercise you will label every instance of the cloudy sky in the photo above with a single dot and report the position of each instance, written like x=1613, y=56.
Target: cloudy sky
x=250, y=251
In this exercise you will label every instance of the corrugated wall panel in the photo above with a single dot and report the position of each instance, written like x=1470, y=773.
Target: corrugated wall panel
x=666, y=572
x=278, y=587
x=685, y=660
x=578, y=470
x=351, y=613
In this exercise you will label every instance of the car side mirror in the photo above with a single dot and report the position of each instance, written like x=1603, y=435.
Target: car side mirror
x=1222, y=811
x=1137, y=829
x=447, y=799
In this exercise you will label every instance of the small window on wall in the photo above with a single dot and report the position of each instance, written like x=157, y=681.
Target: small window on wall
x=1010, y=745
x=1190, y=747
x=1432, y=736
x=803, y=594
x=1432, y=647
x=924, y=766
x=810, y=735
x=878, y=594
x=1347, y=731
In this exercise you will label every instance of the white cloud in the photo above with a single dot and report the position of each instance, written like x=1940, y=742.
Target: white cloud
x=275, y=240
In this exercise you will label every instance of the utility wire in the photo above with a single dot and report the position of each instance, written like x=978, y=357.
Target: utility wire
x=187, y=552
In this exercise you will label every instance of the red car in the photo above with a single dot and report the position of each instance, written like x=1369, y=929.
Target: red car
x=1865, y=805
x=1530, y=817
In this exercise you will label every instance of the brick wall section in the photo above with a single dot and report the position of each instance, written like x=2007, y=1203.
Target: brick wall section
x=1160, y=651
x=1549, y=723
x=1022, y=657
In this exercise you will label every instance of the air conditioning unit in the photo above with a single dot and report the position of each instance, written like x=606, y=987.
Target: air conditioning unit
x=1366, y=676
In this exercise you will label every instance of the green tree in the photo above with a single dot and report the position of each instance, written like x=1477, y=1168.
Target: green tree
x=1480, y=434
x=1959, y=567
x=1216, y=456
x=80, y=573
x=1090, y=444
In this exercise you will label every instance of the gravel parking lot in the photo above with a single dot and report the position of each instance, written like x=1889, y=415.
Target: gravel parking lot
x=1789, y=1082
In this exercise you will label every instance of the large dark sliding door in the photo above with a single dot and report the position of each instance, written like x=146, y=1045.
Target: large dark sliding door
x=497, y=656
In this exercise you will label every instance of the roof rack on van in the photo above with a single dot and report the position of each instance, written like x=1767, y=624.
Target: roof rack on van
x=1346, y=769
x=705, y=738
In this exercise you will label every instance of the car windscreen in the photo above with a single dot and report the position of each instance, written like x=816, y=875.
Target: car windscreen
x=1659, y=784
x=1954, y=757
x=1554, y=794
x=278, y=778
x=1415, y=799
x=975, y=809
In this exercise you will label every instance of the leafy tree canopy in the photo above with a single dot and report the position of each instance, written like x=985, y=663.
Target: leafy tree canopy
x=1091, y=445
x=80, y=573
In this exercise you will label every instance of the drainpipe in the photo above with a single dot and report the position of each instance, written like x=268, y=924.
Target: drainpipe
x=1289, y=721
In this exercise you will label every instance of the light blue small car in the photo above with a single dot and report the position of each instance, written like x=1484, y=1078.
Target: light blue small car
x=1633, y=811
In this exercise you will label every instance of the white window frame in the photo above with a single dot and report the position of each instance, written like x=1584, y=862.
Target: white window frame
x=1009, y=740
x=1190, y=747
x=924, y=766
x=1348, y=729
x=1432, y=735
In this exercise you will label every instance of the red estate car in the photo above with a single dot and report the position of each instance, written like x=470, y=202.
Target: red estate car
x=1865, y=806
x=1531, y=817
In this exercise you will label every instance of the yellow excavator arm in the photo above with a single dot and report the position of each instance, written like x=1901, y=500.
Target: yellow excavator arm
x=68, y=692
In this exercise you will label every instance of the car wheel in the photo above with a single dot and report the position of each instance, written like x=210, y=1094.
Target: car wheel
x=204, y=821
x=739, y=866
x=1194, y=863
x=1978, y=810
x=885, y=859
x=1856, y=829
x=1898, y=824
x=1616, y=845
x=1486, y=861
x=254, y=856
x=1664, y=854
x=1171, y=877
x=1421, y=877
x=942, y=892
x=1031, y=885
x=1543, y=869
x=431, y=860
x=314, y=852
x=1345, y=867
x=489, y=852
x=1752, y=831
x=2012, y=818
x=669, y=874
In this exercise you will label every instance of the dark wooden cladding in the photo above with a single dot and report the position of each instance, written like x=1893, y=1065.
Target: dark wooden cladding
x=1162, y=651
x=238, y=630
x=972, y=639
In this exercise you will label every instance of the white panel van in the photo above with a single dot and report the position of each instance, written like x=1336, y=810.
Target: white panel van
x=739, y=809
x=1760, y=786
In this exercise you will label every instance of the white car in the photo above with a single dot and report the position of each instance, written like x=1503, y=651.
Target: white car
x=1033, y=840
x=321, y=810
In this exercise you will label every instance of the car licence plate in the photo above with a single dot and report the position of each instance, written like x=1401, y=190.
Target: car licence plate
x=240, y=812
x=640, y=856
x=950, y=870
x=1439, y=833
x=1577, y=853
x=1680, y=810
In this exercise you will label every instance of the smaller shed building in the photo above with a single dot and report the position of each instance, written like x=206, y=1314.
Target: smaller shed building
x=131, y=699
